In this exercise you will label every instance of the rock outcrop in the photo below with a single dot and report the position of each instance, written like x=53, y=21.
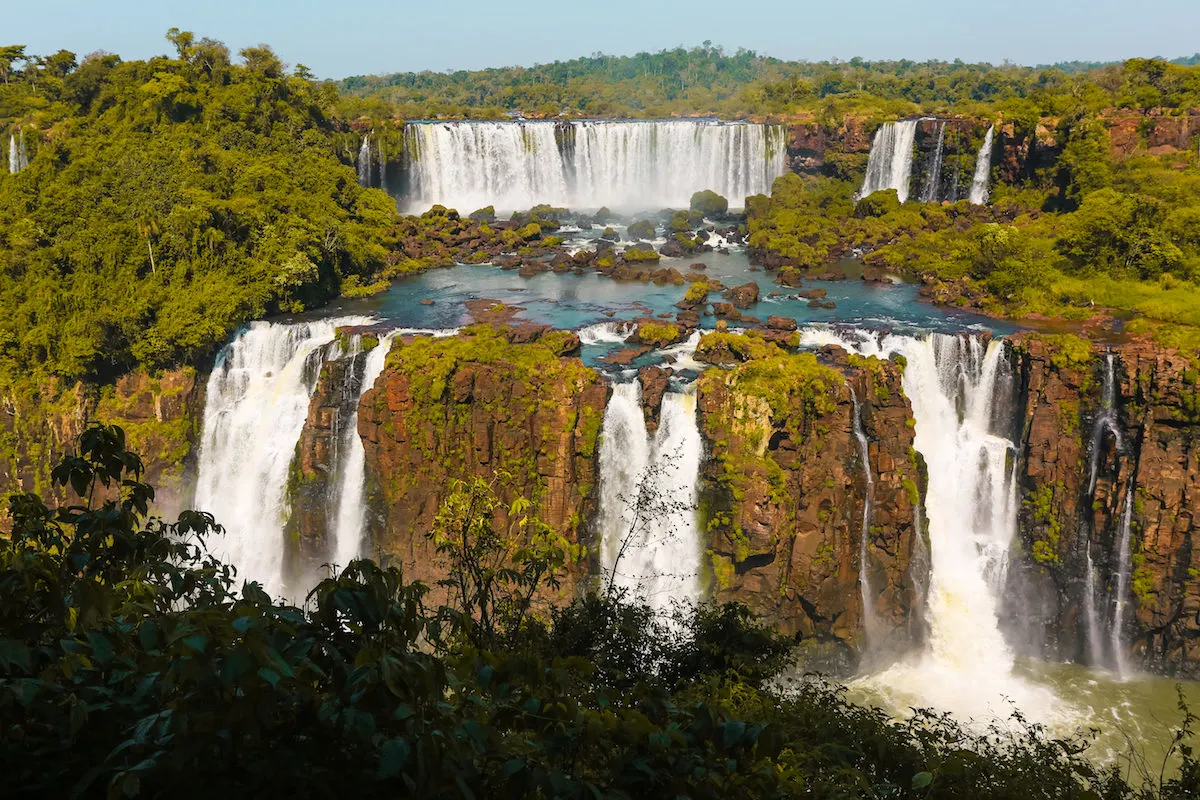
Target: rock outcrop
x=524, y=417
x=785, y=488
x=1087, y=486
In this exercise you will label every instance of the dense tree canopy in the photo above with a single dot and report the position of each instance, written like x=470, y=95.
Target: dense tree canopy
x=168, y=201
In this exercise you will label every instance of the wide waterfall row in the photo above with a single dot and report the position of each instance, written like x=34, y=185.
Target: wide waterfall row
x=18, y=158
x=648, y=494
x=622, y=165
x=895, y=154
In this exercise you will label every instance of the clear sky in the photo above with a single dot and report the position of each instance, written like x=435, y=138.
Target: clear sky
x=336, y=39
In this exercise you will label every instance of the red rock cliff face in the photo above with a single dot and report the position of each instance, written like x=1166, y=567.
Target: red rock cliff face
x=536, y=422
x=161, y=415
x=1149, y=469
x=784, y=506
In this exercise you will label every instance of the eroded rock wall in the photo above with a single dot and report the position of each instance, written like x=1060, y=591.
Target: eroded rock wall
x=525, y=417
x=1148, y=468
x=785, y=491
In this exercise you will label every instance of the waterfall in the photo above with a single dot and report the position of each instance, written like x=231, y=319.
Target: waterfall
x=1091, y=615
x=983, y=169
x=257, y=402
x=650, y=540
x=1122, y=555
x=959, y=389
x=349, y=522
x=890, y=164
x=18, y=159
x=364, y=161
x=935, y=169
x=606, y=332
x=627, y=165
x=870, y=619
x=1105, y=421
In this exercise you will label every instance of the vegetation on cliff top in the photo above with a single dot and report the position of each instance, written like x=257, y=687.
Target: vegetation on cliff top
x=133, y=664
x=168, y=201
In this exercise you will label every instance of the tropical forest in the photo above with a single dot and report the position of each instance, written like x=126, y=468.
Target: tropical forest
x=688, y=424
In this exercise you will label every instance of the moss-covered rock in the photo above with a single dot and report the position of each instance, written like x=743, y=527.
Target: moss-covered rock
x=642, y=229
x=709, y=203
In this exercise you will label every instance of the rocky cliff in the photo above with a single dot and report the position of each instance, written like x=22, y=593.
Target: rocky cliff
x=786, y=490
x=161, y=414
x=512, y=406
x=1089, y=487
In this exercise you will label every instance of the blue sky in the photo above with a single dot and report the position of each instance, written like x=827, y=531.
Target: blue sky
x=371, y=36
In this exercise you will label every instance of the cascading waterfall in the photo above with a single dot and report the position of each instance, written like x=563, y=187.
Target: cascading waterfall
x=349, y=522
x=1091, y=614
x=870, y=619
x=257, y=402
x=364, y=163
x=1122, y=556
x=890, y=164
x=983, y=168
x=632, y=165
x=648, y=497
x=18, y=159
x=606, y=332
x=958, y=388
x=1105, y=421
x=934, y=177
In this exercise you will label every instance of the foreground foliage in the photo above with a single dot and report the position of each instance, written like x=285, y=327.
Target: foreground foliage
x=132, y=663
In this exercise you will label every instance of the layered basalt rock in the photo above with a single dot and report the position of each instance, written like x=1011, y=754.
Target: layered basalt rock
x=1149, y=468
x=524, y=417
x=785, y=490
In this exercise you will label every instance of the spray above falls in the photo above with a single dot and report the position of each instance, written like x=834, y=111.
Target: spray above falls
x=627, y=165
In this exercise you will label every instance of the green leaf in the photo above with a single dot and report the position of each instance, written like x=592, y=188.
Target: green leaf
x=102, y=649
x=392, y=757
x=197, y=642
x=922, y=780
x=14, y=653
x=512, y=767
x=241, y=624
x=733, y=732
x=148, y=635
x=269, y=675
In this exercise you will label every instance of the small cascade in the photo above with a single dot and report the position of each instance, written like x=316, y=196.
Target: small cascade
x=349, y=514
x=1090, y=612
x=890, y=164
x=257, y=402
x=871, y=624
x=933, y=179
x=648, y=497
x=364, y=162
x=1105, y=421
x=18, y=158
x=1122, y=556
x=627, y=165
x=606, y=332
x=983, y=170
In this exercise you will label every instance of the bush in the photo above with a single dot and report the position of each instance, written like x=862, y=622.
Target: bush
x=709, y=203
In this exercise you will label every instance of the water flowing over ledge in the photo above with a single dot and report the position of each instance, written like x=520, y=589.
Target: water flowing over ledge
x=625, y=165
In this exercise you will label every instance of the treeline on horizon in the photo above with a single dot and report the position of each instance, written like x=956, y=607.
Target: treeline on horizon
x=707, y=80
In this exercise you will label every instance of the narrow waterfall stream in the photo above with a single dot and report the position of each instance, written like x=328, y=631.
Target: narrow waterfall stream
x=1121, y=556
x=650, y=541
x=983, y=170
x=933, y=179
x=871, y=624
x=257, y=402
x=350, y=518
